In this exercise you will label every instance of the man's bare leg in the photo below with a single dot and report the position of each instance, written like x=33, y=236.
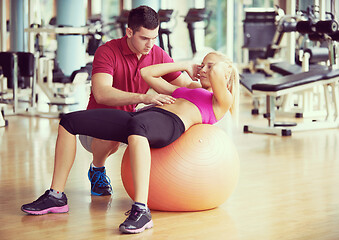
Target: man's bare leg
x=100, y=182
x=102, y=149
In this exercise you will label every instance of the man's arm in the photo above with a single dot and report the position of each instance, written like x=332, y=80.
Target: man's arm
x=105, y=94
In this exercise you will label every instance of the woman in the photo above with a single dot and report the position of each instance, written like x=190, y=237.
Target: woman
x=206, y=102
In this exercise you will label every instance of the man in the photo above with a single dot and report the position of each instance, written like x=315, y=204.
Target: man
x=117, y=83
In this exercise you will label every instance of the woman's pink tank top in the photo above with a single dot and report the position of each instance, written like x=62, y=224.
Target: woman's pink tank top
x=201, y=98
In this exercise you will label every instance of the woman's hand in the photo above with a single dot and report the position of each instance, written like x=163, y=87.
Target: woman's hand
x=221, y=68
x=193, y=70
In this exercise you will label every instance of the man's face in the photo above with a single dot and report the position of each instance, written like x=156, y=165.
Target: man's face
x=142, y=41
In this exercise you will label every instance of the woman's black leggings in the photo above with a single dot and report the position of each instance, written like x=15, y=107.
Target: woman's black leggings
x=159, y=126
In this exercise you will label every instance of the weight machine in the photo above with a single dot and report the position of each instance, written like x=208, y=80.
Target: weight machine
x=165, y=16
x=327, y=79
x=194, y=16
x=309, y=56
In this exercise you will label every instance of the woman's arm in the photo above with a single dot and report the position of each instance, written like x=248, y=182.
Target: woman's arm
x=152, y=75
x=192, y=70
x=222, y=97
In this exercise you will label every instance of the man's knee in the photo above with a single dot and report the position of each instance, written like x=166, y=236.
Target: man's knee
x=86, y=142
x=104, y=146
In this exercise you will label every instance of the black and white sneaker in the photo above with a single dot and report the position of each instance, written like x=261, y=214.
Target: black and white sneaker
x=137, y=221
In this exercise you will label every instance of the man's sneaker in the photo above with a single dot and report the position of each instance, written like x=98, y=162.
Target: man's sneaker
x=100, y=182
x=46, y=204
x=137, y=221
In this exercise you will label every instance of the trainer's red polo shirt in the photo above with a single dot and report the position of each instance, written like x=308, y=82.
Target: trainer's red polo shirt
x=115, y=58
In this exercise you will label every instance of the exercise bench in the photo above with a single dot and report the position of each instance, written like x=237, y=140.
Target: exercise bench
x=328, y=79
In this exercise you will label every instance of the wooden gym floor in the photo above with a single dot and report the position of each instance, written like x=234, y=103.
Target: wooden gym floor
x=288, y=189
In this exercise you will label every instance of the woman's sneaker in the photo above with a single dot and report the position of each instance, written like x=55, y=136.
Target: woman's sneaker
x=46, y=204
x=100, y=182
x=137, y=221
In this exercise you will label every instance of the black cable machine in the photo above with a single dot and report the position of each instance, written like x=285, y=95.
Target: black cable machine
x=193, y=16
x=165, y=16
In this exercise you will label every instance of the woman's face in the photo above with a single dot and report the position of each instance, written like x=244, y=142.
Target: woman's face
x=206, y=65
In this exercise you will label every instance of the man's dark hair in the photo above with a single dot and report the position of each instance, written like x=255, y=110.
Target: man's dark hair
x=143, y=16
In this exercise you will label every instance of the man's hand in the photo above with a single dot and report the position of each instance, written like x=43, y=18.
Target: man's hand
x=158, y=99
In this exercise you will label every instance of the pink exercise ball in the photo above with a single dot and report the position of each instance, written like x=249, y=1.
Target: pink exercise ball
x=198, y=171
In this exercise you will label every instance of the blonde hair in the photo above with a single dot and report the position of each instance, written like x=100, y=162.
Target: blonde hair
x=234, y=85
